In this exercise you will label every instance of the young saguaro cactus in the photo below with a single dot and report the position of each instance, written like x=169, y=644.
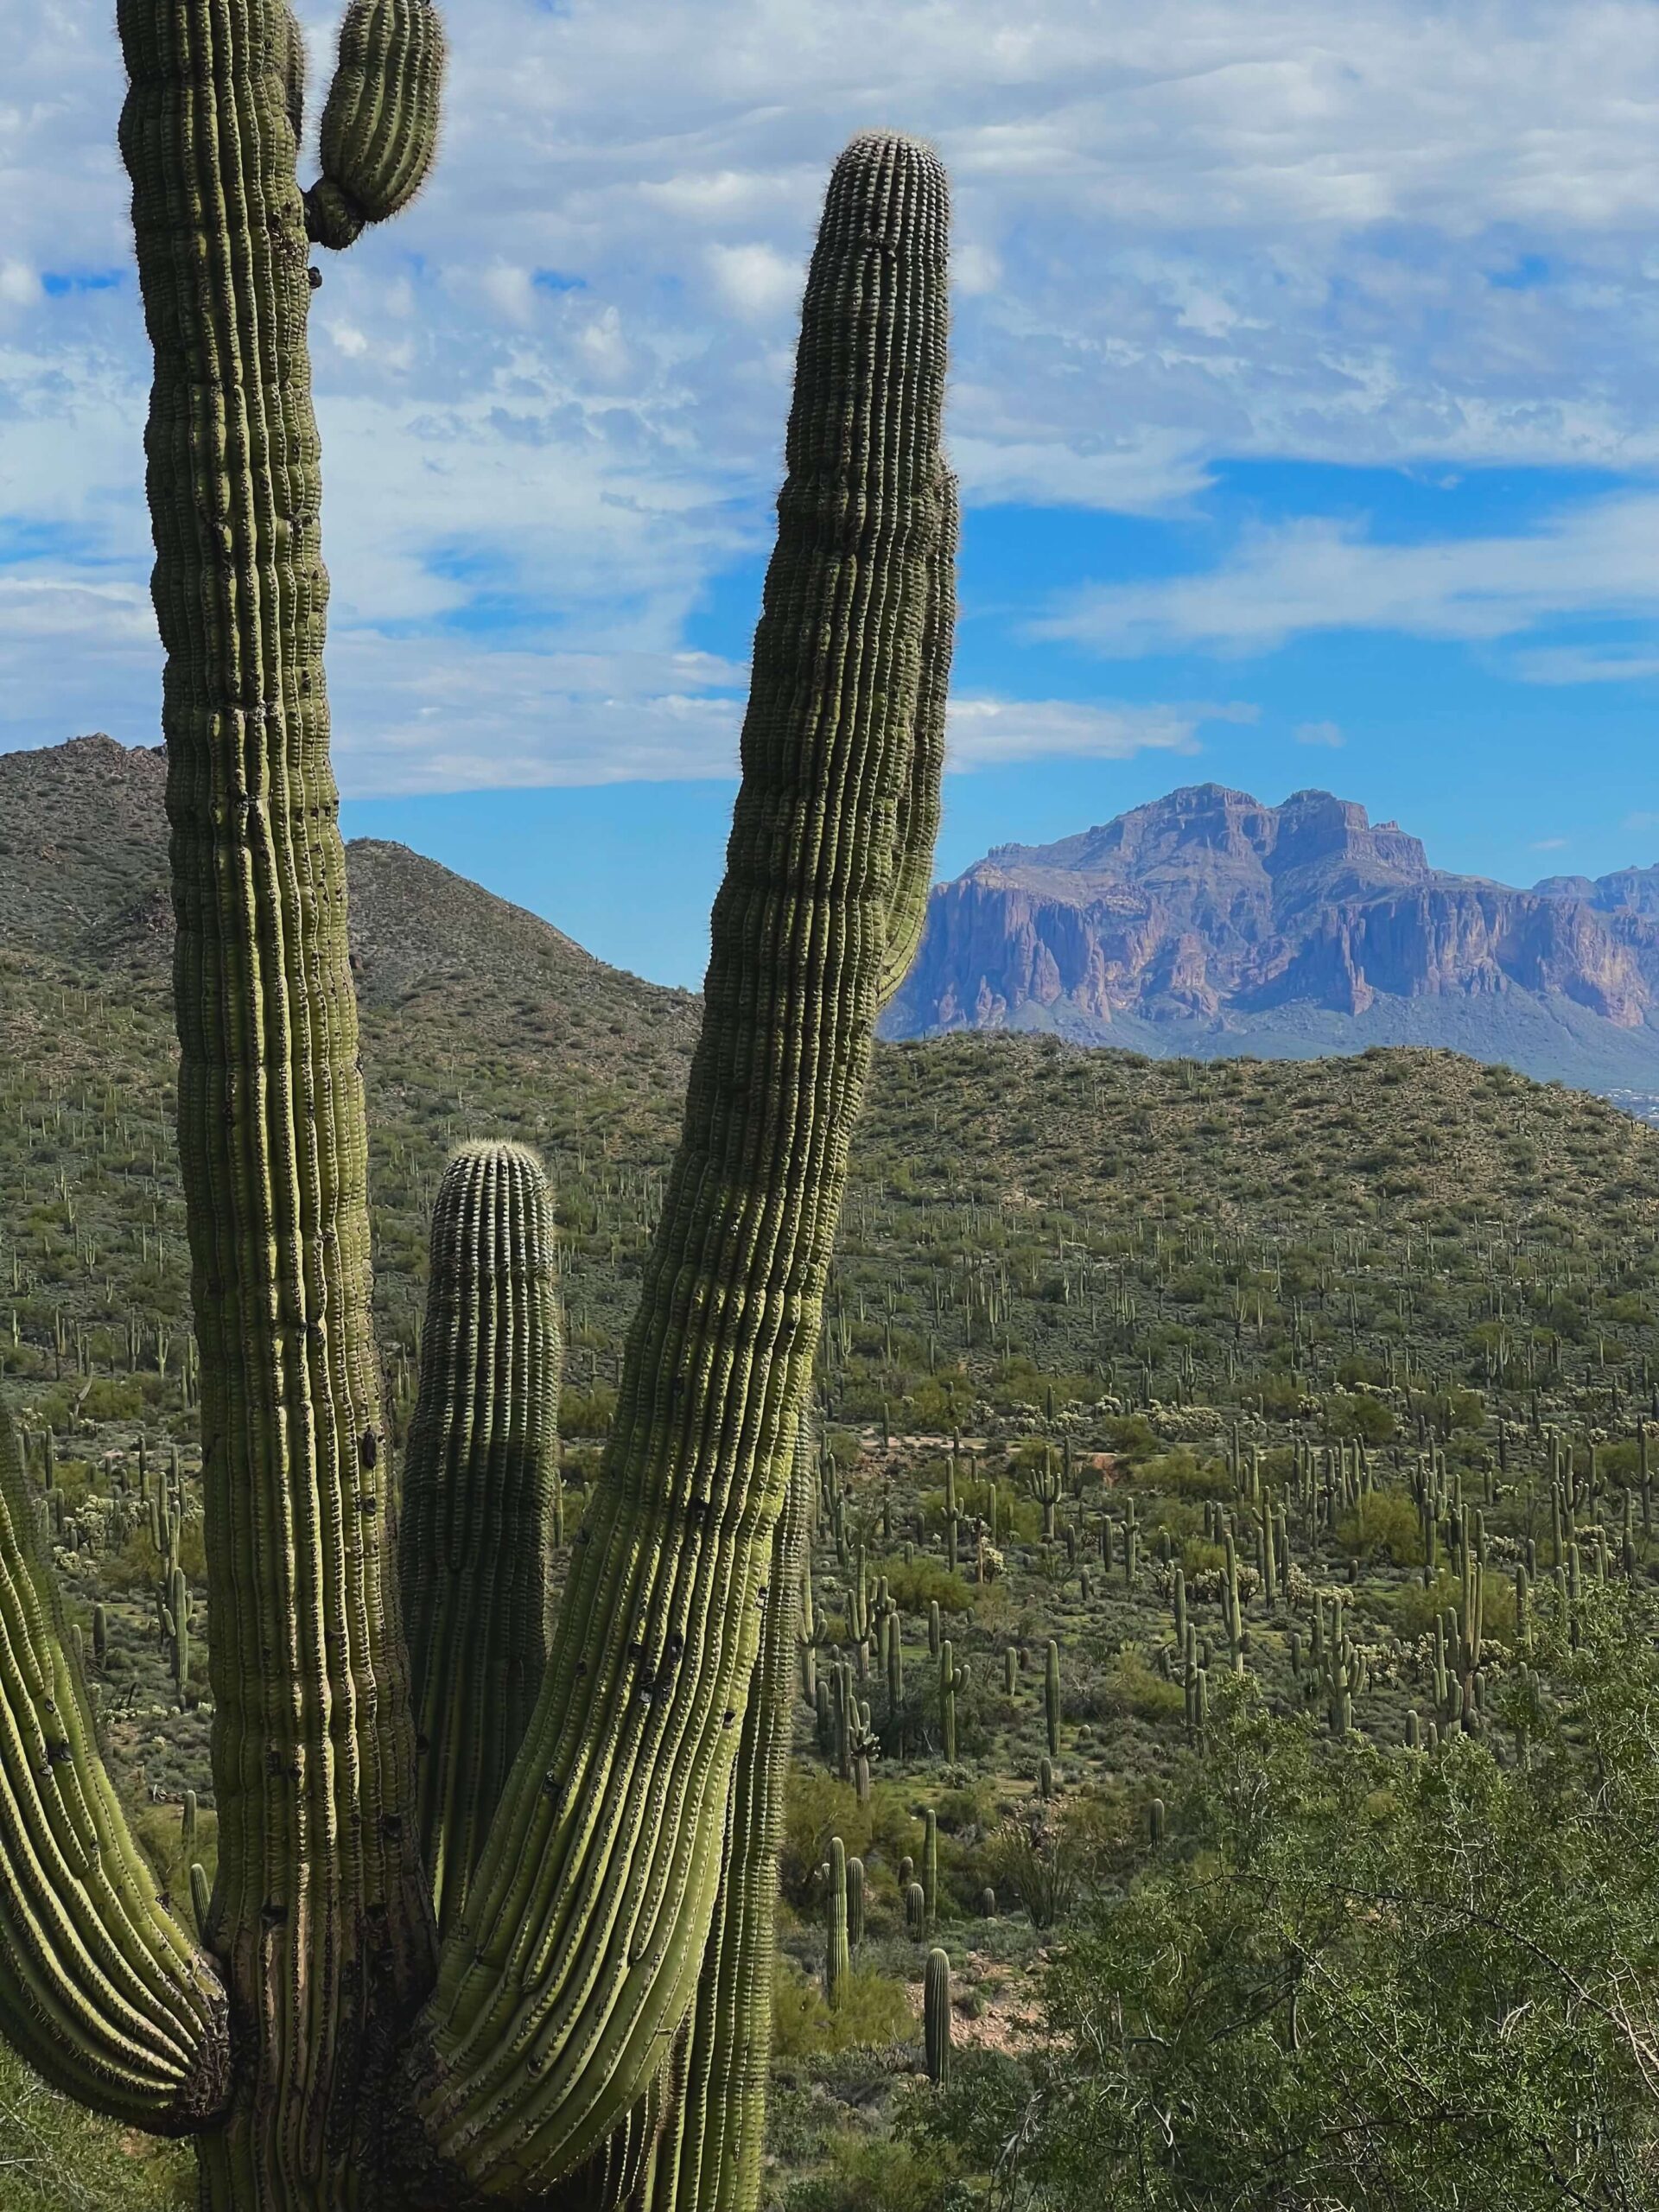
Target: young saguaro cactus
x=477, y=1536
x=837, y=1959
x=936, y=2015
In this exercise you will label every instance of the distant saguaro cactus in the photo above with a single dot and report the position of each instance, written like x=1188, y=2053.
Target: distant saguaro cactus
x=936, y=2015
x=593, y=2023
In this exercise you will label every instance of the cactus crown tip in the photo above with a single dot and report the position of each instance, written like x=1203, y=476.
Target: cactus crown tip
x=881, y=152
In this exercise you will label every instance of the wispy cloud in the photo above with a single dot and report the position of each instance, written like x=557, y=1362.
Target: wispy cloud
x=1286, y=580
x=1587, y=664
x=1325, y=734
x=985, y=731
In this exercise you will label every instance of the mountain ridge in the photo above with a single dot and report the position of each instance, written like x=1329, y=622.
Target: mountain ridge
x=1210, y=923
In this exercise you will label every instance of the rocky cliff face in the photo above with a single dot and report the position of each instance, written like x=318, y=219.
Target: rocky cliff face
x=1207, y=916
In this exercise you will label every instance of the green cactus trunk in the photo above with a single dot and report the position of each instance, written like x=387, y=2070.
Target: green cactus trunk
x=319, y=1916
x=837, y=1956
x=477, y=1534
x=935, y=2016
x=553, y=2009
x=709, y=2158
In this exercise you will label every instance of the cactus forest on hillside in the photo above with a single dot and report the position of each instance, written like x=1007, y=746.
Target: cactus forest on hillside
x=592, y=1803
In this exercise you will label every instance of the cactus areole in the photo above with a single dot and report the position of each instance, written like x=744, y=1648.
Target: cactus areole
x=588, y=2025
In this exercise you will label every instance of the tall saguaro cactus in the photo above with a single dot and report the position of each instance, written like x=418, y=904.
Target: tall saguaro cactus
x=578, y=1951
x=591, y=2020
x=319, y=1916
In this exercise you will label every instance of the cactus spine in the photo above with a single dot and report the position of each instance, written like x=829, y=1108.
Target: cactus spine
x=478, y=1491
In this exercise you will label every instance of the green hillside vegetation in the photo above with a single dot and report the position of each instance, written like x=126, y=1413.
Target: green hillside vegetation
x=1125, y=1317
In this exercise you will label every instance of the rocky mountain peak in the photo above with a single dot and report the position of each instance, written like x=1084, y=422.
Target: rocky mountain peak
x=1207, y=917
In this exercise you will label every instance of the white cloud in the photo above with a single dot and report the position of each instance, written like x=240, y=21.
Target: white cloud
x=758, y=281
x=555, y=389
x=1547, y=845
x=987, y=731
x=1285, y=581
x=1328, y=733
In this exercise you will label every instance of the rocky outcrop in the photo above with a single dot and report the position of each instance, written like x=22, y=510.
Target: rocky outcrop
x=1208, y=911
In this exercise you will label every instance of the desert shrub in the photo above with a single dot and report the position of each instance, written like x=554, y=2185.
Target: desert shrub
x=1033, y=1855
x=1213, y=2033
x=137, y=1565
x=1353, y=1415
x=1131, y=1436
x=1415, y=1609
x=1132, y=1686
x=873, y=2009
x=924, y=1580
x=1384, y=1525
x=818, y=1806
x=879, y=2176
x=587, y=1412
x=1179, y=1472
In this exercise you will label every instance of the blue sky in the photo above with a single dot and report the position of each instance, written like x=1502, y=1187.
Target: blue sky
x=1302, y=395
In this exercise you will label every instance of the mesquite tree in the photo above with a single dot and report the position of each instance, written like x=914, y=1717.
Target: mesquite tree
x=584, y=2020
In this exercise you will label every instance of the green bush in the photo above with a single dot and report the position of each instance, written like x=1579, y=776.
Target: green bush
x=1355, y=1415
x=1179, y=1472
x=923, y=1581
x=1132, y=1686
x=816, y=1807
x=879, y=2176
x=1384, y=1525
x=873, y=2009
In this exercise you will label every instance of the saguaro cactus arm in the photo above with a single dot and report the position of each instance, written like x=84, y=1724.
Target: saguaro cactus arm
x=320, y=1917
x=475, y=1542
x=100, y=1988
x=709, y=2158
x=576, y=1957
x=920, y=801
x=380, y=122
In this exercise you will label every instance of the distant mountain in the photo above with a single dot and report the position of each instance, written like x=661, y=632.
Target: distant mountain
x=1208, y=923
